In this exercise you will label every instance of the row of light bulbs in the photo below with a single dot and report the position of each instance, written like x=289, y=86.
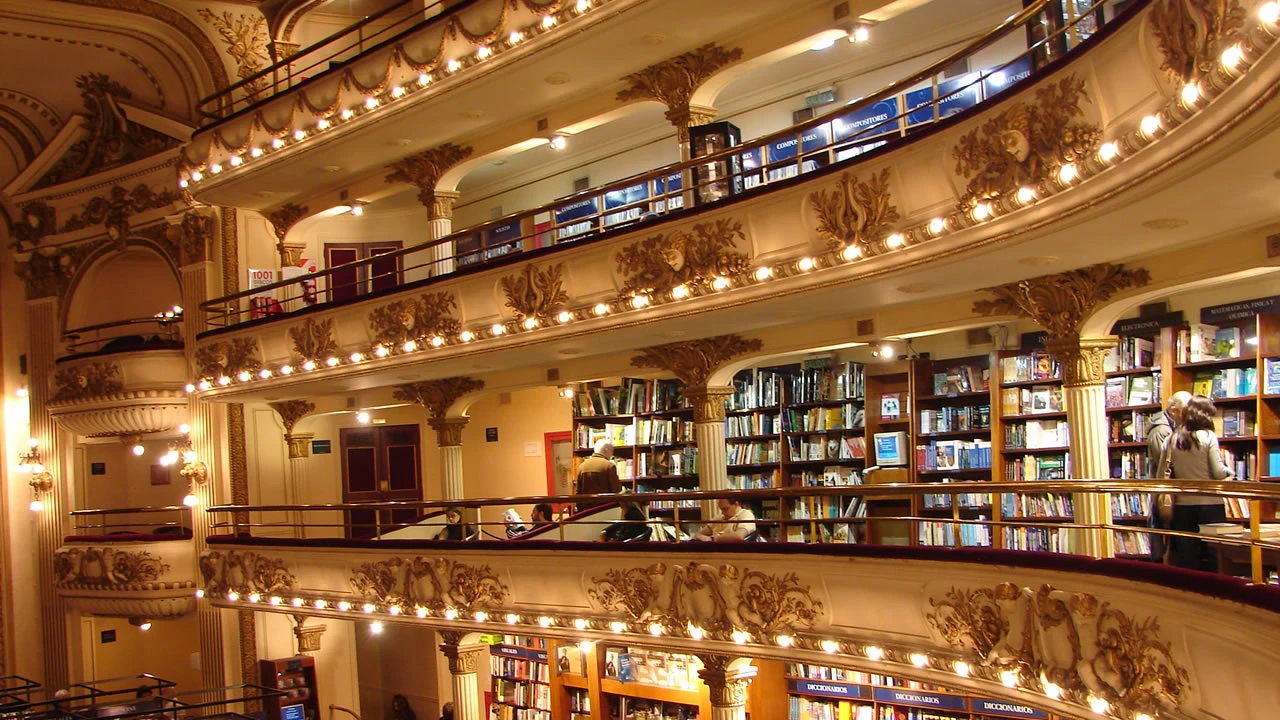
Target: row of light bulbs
x=1150, y=128
x=875, y=653
x=373, y=102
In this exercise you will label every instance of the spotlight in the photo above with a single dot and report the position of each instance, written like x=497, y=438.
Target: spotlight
x=860, y=34
x=143, y=624
x=558, y=142
x=138, y=449
x=362, y=417
x=375, y=627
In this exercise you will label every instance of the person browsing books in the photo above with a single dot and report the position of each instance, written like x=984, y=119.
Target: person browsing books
x=598, y=475
x=1192, y=454
x=1162, y=425
x=736, y=523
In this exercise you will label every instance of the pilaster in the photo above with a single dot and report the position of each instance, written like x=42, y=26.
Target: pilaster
x=728, y=687
x=438, y=396
x=463, y=661
x=449, y=436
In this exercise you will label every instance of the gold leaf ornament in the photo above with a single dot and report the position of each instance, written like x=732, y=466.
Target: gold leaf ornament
x=535, y=293
x=694, y=259
x=856, y=213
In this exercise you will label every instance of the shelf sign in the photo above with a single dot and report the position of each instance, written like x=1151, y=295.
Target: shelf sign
x=1005, y=708
x=507, y=651
x=538, y=655
x=898, y=696
x=1147, y=325
x=829, y=689
x=293, y=712
x=1240, y=310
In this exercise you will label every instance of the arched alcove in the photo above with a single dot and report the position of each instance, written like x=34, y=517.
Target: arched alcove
x=133, y=283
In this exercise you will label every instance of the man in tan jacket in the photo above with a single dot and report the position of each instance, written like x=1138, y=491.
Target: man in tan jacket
x=597, y=474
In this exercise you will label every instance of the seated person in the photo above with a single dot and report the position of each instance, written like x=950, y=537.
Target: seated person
x=735, y=524
x=515, y=524
x=633, y=525
x=453, y=529
x=542, y=515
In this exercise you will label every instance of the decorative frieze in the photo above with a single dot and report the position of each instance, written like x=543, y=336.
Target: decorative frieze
x=314, y=340
x=437, y=396
x=86, y=380
x=1192, y=34
x=535, y=293
x=244, y=572
x=108, y=568
x=228, y=358
x=856, y=213
x=433, y=583
x=673, y=82
x=1061, y=303
x=428, y=315
x=695, y=259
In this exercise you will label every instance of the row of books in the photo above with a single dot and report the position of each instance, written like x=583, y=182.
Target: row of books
x=1226, y=383
x=759, y=452
x=849, y=415
x=1271, y=376
x=522, y=694
x=630, y=708
x=838, y=381
x=941, y=501
x=853, y=677
x=579, y=701
x=830, y=476
x=508, y=712
x=652, y=667
x=1036, y=434
x=1130, y=505
x=1234, y=422
x=1244, y=463
x=1132, y=353
x=666, y=463
x=633, y=396
x=659, y=431
x=1237, y=508
x=1037, y=365
x=803, y=448
x=954, y=455
x=961, y=379
x=1038, y=467
x=949, y=534
x=955, y=419
x=803, y=708
x=753, y=424
x=1035, y=506
x=1201, y=342
x=1129, y=542
x=1132, y=390
x=754, y=389
x=753, y=481
x=511, y=668
x=1041, y=539
x=1131, y=426
x=620, y=434
x=1032, y=400
x=670, y=504
x=1129, y=465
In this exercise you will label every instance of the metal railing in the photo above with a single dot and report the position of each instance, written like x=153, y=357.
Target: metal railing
x=163, y=522
x=329, y=54
x=977, y=514
x=893, y=115
x=163, y=328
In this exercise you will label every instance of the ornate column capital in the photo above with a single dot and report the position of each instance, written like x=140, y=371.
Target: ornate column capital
x=437, y=396
x=463, y=659
x=299, y=445
x=708, y=402
x=291, y=254
x=282, y=50
x=1081, y=358
x=291, y=411
x=424, y=171
x=686, y=117
x=439, y=203
x=308, y=636
x=192, y=232
x=1061, y=303
x=728, y=687
x=282, y=219
x=695, y=360
x=673, y=82
x=448, y=430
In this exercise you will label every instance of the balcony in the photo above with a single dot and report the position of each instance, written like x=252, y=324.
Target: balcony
x=136, y=562
x=1054, y=630
x=690, y=249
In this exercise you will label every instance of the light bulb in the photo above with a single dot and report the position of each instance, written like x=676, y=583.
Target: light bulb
x=696, y=632
x=243, y=376
x=483, y=52
x=410, y=345
x=254, y=597
x=236, y=160
x=191, y=500
x=357, y=357
x=344, y=606
x=639, y=301
x=655, y=629
x=558, y=142
x=286, y=369
x=1067, y=173
x=937, y=225
x=545, y=621
x=548, y=20
x=618, y=626
x=309, y=365
x=1269, y=13
x=515, y=37
x=764, y=273
x=145, y=626
x=896, y=240
x=1108, y=151
x=584, y=5
x=369, y=607
x=320, y=604
x=851, y=252
x=277, y=143
x=215, y=168
x=962, y=668
x=512, y=618
x=371, y=102
x=601, y=309
x=1052, y=691
x=497, y=329
x=233, y=596
x=393, y=610
x=424, y=79
x=205, y=385
x=332, y=361
x=299, y=135
x=454, y=65
x=740, y=637
x=375, y=627
x=1026, y=195
x=138, y=449
x=1232, y=57
x=1150, y=125
x=1009, y=678
x=680, y=292
x=466, y=336
x=296, y=602
x=785, y=641
x=720, y=283
x=919, y=659
x=381, y=351
x=197, y=176
x=805, y=264
x=451, y=614
x=481, y=616
x=860, y=34
x=397, y=91
x=1190, y=94
x=981, y=211
x=322, y=124
x=347, y=113
x=830, y=646
x=36, y=506
x=274, y=600
x=873, y=653
x=564, y=316
x=1099, y=705
x=580, y=623
x=362, y=417
x=420, y=611
x=264, y=373
x=530, y=323
x=255, y=152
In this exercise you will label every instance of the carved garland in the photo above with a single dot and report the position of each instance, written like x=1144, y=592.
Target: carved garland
x=424, y=170
x=672, y=82
x=246, y=39
x=1072, y=640
x=227, y=359
x=718, y=599
x=94, y=379
x=193, y=236
x=437, y=396
x=283, y=218
x=244, y=572
x=428, y=315
x=49, y=273
x=291, y=411
x=434, y=583
x=695, y=260
x=534, y=293
x=1024, y=145
x=114, y=210
x=856, y=213
x=695, y=360
x=313, y=340
x=1191, y=34
x=1060, y=303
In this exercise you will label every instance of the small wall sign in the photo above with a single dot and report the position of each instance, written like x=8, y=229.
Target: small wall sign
x=491, y=434
x=321, y=447
x=98, y=468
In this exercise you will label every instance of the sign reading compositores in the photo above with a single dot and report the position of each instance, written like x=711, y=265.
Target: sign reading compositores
x=1216, y=314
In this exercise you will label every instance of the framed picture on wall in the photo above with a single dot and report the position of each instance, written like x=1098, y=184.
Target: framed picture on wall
x=160, y=474
x=559, y=454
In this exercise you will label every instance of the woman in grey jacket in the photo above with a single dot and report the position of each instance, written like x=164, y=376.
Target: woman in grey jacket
x=1193, y=454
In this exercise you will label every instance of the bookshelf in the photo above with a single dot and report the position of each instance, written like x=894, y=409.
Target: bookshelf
x=618, y=682
x=890, y=390
x=296, y=677
x=520, y=679
x=1134, y=393
x=650, y=423
x=953, y=444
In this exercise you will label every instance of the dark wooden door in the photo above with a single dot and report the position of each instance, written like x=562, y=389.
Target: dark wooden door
x=380, y=464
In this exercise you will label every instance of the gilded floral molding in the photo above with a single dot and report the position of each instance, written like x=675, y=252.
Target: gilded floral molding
x=694, y=259
x=114, y=210
x=228, y=358
x=313, y=340
x=717, y=599
x=112, y=141
x=47, y=274
x=291, y=411
x=1024, y=145
x=193, y=236
x=1061, y=303
x=244, y=572
x=695, y=360
x=415, y=319
x=246, y=40
x=534, y=293
x=283, y=218
x=1072, y=640
x=437, y=396
x=673, y=81
x=856, y=213
x=423, y=170
x=93, y=379
x=35, y=220
x=108, y=568
x=433, y=583
x=1191, y=34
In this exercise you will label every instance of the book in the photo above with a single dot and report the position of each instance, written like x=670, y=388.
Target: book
x=1115, y=392
x=891, y=406
x=1271, y=377
x=1203, y=342
x=1226, y=342
x=1141, y=390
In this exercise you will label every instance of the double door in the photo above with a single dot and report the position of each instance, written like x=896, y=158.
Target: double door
x=380, y=464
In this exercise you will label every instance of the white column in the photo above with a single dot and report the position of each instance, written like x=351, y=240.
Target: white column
x=441, y=225
x=299, y=458
x=51, y=522
x=466, y=689
x=708, y=418
x=449, y=437
x=1084, y=394
x=728, y=687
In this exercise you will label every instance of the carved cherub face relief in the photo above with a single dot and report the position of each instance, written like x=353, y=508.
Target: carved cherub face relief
x=407, y=320
x=673, y=253
x=1016, y=144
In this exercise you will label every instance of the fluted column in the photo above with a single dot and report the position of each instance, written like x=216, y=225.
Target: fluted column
x=50, y=523
x=449, y=436
x=463, y=660
x=708, y=419
x=440, y=210
x=728, y=687
x=299, y=459
x=1084, y=394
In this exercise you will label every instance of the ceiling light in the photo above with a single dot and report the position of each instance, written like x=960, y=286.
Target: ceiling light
x=826, y=40
x=512, y=618
x=937, y=225
x=190, y=387
x=962, y=668
x=362, y=417
x=190, y=500
x=655, y=629
x=558, y=142
x=1269, y=13
x=696, y=632
x=1099, y=705
x=296, y=602
x=680, y=292
x=618, y=626
x=196, y=176
x=481, y=616
x=1232, y=57
x=1190, y=94
x=224, y=381
x=830, y=646
x=264, y=373
x=375, y=627
x=236, y=160
x=873, y=653
x=233, y=596
x=764, y=273
x=601, y=309
x=215, y=168
x=381, y=351
x=720, y=283
x=454, y=65
x=205, y=385
x=320, y=604
x=545, y=621
x=371, y=102
x=423, y=79
x=639, y=301
x=740, y=637
x=357, y=209
x=483, y=52
x=138, y=449
x=1067, y=173
x=410, y=345
x=143, y=624
x=451, y=614
x=497, y=329
x=322, y=124
x=530, y=323
x=564, y=316
x=851, y=252
x=299, y=135
x=1108, y=151
x=1026, y=195
x=860, y=34
x=344, y=606
x=286, y=369
x=548, y=20
x=332, y=361
x=369, y=607
x=1052, y=690
x=397, y=91
x=420, y=611
x=436, y=341
x=981, y=211
x=1150, y=125
x=896, y=240
x=805, y=264
x=785, y=641
x=466, y=336
x=274, y=600
x=346, y=113
x=393, y=610
x=919, y=659
x=584, y=5
x=255, y=152
x=515, y=37
x=1009, y=678
x=277, y=143
x=36, y=505
x=357, y=357
x=243, y=376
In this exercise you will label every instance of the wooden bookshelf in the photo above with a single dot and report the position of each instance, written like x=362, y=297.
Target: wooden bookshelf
x=296, y=677
x=520, y=679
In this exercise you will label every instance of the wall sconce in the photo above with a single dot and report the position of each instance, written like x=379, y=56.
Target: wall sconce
x=567, y=391
x=41, y=481
x=195, y=471
x=143, y=624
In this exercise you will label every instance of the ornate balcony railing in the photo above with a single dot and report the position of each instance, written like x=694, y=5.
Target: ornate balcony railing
x=899, y=113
